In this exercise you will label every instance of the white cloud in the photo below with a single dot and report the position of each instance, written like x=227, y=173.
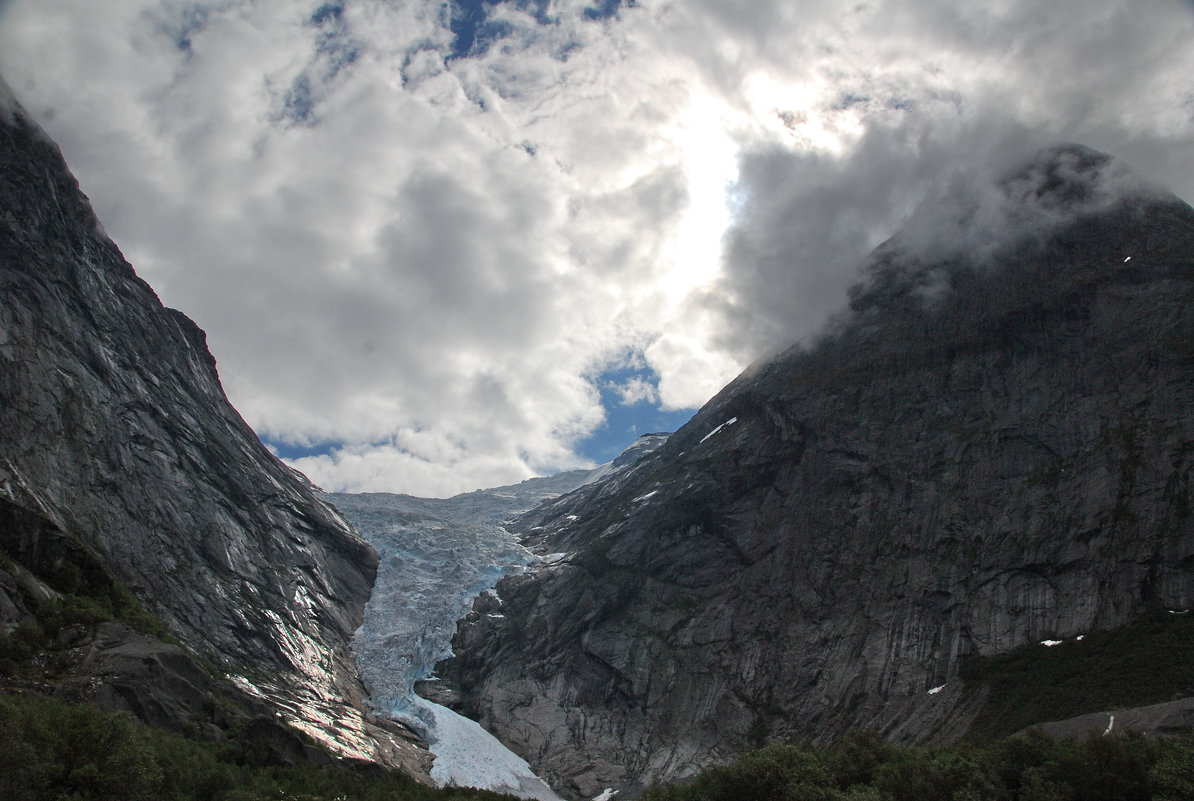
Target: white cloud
x=636, y=390
x=431, y=259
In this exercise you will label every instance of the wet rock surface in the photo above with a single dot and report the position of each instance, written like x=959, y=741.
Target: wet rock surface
x=115, y=430
x=983, y=455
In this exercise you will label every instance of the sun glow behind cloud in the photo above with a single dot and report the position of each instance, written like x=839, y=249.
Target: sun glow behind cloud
x=709, y=160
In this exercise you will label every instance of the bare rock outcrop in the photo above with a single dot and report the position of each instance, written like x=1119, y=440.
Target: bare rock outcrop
x=114, y=431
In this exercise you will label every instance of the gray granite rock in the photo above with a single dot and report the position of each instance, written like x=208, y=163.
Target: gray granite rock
x=986, y=453
x=1167, y=719
x=114, y=427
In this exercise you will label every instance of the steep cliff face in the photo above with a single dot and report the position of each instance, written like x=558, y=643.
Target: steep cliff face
x=993, y=449
x=115, y=433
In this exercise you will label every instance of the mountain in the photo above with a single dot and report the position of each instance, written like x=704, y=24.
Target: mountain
x=992, y=449
x=124, y=468
x=991, y=453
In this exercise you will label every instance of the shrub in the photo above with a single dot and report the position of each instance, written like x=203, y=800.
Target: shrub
x=53, y=750
x=1172, y=775
x=1106, y=670
x=863, y=767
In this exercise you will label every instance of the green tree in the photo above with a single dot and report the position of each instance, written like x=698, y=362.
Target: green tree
x=1172, y=776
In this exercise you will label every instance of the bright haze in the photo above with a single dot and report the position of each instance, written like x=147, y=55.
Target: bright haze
x=446, y=245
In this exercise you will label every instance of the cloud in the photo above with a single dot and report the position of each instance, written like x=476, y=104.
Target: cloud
x=636, y=390
x=427, y=256
x=893, y=106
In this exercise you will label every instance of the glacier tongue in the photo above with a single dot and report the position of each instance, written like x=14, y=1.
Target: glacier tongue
x=468, y=756
x=437, y=555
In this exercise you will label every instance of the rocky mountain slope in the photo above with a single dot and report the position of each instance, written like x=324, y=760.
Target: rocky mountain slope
x=119, y=452
x=992, y=449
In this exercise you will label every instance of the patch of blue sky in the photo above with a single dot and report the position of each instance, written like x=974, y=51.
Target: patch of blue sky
x=474, y=31
x=335, y=51
x=298, y=105
x=631, y=410
x=335, y=48
x=184, y=25
x=289, y=450
x=604, y=9
x=328, y=12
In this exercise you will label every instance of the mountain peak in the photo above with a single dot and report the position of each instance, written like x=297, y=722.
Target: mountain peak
x=993, y=451
x=1074, y=179
x=990, y=221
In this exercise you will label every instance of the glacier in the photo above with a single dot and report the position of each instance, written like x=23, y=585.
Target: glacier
x=436, y=556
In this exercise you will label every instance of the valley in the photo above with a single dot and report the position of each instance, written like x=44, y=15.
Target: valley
x=930, y=524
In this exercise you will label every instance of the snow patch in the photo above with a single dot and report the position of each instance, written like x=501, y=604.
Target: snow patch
x=729, y=422
x=644, y=497
x=599, y=472
x=606, y=794
x=936, y=689
x=1128, y=259
x=1050, y=643
x=1178, y=611
x=1110, y=725
x=1080, y=637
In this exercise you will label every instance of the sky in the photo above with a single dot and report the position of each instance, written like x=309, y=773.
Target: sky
x=438, y=246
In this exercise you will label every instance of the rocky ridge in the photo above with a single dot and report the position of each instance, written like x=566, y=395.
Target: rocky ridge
x=117, y=439
x=992, y=449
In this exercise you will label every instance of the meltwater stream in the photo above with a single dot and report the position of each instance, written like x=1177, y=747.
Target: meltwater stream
x=437, y=556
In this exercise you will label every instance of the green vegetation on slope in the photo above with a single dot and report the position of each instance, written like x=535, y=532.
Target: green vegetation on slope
x=1145, y=662
x=86, y=596
x=84, y=593
x=60, y=751
x=864, y=767
x=1148, y=661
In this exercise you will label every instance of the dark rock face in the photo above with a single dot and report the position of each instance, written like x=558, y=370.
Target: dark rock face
x=984, y=455
x=116, y=432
